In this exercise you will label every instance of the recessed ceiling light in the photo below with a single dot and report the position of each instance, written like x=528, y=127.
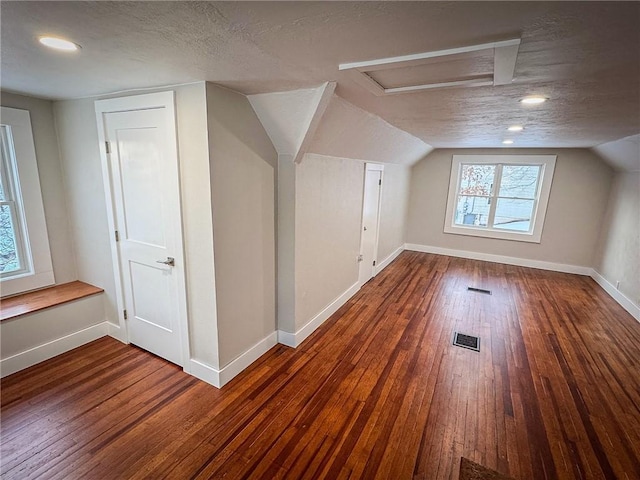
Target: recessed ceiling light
x=533, y=100
x=59, y=44
x=515, y=128
x=507, y=142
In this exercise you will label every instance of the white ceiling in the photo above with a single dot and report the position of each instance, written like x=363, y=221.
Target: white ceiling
x=583, y=56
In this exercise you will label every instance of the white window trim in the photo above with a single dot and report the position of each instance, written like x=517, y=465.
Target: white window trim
x=39, y=271
x=547, y=162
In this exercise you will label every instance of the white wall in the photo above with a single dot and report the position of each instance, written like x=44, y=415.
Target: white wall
x=574, y=215
x=328, y=214
x=33, y=338
x=243, y=174
x=329, y=194
x=197, y=222
x=618, y=255
x=78, y=139
x=52, y=186
x=393, y=210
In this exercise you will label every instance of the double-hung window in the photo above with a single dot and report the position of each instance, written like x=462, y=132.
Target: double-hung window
x=25, y=258
x=499, y=196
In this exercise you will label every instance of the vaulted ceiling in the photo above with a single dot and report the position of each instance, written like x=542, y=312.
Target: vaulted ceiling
x=583, y=56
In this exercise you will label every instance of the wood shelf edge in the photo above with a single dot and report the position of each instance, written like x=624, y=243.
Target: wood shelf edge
x=30, y=302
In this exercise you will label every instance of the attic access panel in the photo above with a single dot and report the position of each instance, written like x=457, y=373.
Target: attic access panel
x=471, y=66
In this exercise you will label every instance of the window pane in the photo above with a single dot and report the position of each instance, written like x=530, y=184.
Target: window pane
x=477, y=179
x=472, y=211
x=9, y=260
x=513, y=214
x=519, y=181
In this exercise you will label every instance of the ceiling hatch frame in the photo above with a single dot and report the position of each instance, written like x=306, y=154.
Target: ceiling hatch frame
x=505, y=53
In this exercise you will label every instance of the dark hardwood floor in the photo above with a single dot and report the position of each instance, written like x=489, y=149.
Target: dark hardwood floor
x=377, y=392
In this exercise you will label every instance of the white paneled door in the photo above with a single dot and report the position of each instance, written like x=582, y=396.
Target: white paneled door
x=142, y=161
x=370, y=222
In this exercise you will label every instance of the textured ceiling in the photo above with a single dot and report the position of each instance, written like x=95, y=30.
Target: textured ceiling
x=583, y=56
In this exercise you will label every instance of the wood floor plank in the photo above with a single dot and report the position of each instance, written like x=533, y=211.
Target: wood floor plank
x=378, y=391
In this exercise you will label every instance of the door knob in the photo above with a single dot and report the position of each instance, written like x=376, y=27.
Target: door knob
x=169, y=261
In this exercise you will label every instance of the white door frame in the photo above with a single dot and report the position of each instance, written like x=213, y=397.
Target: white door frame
x=164, y=100
x=371, y=167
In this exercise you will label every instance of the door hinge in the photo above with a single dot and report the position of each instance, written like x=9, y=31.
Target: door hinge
x=117, y=235
x=380, y=182
x=107, y=146
x=374, y=263
x=126, y=317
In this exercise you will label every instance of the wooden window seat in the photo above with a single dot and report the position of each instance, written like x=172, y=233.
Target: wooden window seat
x=25, y=303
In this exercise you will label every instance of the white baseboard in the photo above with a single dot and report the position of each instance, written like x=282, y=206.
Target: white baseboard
x=115, y=331
x=617, y=295
x=287, y=338
x=204, y=372
x=48, y=350
x=488, y=257
x=295, y=339
x=218, y=378
x=383, y=264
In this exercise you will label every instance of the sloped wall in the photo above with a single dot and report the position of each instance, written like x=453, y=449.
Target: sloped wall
x=618, y=255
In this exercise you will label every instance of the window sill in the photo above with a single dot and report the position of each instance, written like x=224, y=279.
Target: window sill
x=30, y=302
x=495, y=234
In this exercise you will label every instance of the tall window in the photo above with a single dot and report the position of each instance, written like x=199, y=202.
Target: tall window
x=499, y=196
x=13, y=258
x=25, y=258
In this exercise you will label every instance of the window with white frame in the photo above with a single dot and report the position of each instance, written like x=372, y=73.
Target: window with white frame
x=25, y=258
x=499, y=196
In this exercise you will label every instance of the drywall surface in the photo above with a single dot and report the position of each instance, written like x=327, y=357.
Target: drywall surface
x=286, y=116
x=243, y=174
x=618, y=257
x=327, y=239
x=82, y=168
x=347, y=131
x=393, y=209
x=575, y=211
x=22, y=334
x=197, y=222
x=51, y=182
x=623, y=154
x=286, y=235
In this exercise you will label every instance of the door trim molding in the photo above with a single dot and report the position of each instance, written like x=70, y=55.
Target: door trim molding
x=149, y=101
x=371, y=167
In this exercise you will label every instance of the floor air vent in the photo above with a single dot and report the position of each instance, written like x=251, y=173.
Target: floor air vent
x=466, y=341
x=479, y=290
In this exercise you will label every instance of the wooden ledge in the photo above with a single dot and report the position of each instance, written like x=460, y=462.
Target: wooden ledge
x=30, y=302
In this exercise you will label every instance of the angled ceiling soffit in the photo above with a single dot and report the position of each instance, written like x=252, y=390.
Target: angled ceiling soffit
x=290, y=118
x=347, y=131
